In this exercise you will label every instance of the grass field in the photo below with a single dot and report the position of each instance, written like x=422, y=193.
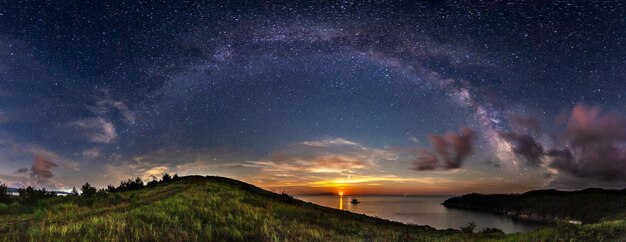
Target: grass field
x=221, y=209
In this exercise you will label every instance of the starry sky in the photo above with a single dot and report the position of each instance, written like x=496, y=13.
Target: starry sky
x=399, y=97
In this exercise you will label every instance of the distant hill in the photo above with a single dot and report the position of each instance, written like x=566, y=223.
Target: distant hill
x=591, y=205
x=221, y=209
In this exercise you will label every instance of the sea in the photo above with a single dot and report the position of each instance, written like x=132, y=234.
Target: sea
x=421, y=210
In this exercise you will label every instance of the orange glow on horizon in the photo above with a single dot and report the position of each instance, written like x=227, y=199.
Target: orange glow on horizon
x=340, y=193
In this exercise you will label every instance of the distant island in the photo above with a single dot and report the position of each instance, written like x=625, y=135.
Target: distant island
x=197, y=208
x=591, y=205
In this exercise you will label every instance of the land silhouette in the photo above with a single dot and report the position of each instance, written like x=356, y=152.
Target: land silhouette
x=196, y=208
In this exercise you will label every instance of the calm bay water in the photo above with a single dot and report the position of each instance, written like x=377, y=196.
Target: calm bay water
x=421, y=210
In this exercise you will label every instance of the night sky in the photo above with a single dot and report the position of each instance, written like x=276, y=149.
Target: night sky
x=392, y=98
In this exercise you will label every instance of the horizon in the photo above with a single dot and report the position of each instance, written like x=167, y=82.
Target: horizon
x=359, y=98
x=344, y=194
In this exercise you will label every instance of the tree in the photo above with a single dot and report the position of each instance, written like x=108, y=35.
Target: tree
x=138, y=182
x=175, y=176
x=4, y=194
x=88, y=190
x=29, y=195
x=152, y=183
x=74, y=192
x=130, y=184
x=469, y=228
x=166, y=178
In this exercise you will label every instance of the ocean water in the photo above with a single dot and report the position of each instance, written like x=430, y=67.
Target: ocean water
x=421, y=210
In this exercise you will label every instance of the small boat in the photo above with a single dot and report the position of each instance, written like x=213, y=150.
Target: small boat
x=354, y=201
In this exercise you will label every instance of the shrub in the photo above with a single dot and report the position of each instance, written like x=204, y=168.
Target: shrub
x=166, y=178
x=4, y=194
x=152, y=183
x=491, y=231
x=29, y=196
x=74, y=192
x=469, y=228
x=88, y=190
x=287, y=197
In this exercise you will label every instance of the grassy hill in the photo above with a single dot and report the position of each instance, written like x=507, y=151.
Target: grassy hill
x=222, y=209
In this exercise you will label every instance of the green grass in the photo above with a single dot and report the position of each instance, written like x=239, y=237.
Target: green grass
x=221, y=209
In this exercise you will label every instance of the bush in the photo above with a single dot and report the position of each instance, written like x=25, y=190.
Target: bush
x=74, y=192
x=4, y=194
x=29, y=196
x=152, y=183
x=88, y=190
x=287, y=197
x=469, y=228
x=491, y=231
x=130, y=185
x=166, y=178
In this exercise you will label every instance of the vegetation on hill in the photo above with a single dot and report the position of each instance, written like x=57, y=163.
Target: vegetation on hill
x=221, y=209
x=587, y=206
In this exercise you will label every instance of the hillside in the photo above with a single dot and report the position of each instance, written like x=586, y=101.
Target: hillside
x=587, y=206
x=221, y=209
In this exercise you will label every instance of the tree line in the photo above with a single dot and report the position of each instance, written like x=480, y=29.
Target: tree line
x=30, y=195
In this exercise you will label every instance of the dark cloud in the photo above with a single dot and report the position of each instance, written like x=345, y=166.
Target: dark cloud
x=595, y=145
x=426, y=160
x=493, y=163
x=462, y=146
x=525, y=124
x=448, y=152
x=526, y=146
x=41, y=169
x=22, y=170
x=592, y=147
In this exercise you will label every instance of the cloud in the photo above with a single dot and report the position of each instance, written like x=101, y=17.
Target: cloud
x=525, y=124
x=15, y=154
x=41, y=168
x=91, y=152
x=526, y=146
x=448, y=151
x=173, y=159
x=97, y=129
x=146, y=171
x=427, y=160
x=595, y=146
x=107, y=105
x=336, y=155
x=590, y=149
x=331, y=142
x=332, y=163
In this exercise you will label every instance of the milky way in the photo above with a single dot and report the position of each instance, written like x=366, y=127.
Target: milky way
x=310, y=96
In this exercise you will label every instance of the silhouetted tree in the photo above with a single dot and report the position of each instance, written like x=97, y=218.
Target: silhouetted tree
x=166, y=178
x=153, y=182
x=74, y=192
x=110, y=188
x=5, y=197
x=138, y=182
x=469, y=228
x=130, y=184
x=101, y=191
x=88, y=190
x=29, y=195
x=175, y=176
